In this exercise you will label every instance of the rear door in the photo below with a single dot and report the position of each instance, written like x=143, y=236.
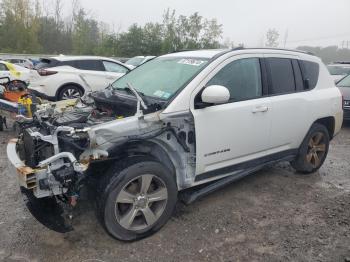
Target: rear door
x=289, y=102
x=94, y=73
x=114, y=70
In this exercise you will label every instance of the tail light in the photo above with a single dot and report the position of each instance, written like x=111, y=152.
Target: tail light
x=44, y=72
x=342, y=102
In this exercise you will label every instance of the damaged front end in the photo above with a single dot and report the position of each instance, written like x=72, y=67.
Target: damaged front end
x=55, y=149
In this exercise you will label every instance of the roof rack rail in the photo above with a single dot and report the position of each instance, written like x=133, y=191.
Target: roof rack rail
x=182, y=50
x=272, y=48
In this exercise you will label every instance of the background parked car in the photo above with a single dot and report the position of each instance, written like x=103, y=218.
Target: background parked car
x=338, y=70
x=21, y=62
x=344, y=86
x=138, y=60
x=18, y=75
x=58, y=78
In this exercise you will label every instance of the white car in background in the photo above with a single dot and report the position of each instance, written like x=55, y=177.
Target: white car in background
x=138, y=60
x=21, y=62
x=58, y=78
x=18, y=75
x=338, y=70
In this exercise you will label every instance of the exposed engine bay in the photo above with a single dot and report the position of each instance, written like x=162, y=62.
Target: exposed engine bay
x=61, y=143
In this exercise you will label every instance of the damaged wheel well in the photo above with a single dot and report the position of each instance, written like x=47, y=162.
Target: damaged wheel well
x=150, y=149
x=134, y=149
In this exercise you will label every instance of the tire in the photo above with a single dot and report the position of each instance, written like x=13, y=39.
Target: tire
x=313, y=151
x=69, y=92
x=127, y=211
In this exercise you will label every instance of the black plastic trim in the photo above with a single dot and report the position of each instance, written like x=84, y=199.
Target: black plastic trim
x=248, y=164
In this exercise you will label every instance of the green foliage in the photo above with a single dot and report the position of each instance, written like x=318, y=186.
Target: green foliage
x=24, y=29
x=272, y=37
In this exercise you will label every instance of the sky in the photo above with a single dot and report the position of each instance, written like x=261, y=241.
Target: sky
x=305, y=22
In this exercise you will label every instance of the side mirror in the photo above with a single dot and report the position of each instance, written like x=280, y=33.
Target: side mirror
x=215, y=94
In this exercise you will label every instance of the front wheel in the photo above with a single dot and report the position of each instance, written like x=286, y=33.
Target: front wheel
x=137, y=199
x=313, y=151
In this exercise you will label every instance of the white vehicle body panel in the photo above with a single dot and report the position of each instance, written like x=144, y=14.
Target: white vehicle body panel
x=49, y=85
x=18, y=73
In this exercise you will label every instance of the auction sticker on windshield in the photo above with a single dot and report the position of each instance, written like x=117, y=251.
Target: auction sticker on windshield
x=193, y=62
x=162, y=94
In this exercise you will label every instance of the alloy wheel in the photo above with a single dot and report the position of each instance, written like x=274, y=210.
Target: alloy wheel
x=70, y=93
x=141, y=202
x=316, y=149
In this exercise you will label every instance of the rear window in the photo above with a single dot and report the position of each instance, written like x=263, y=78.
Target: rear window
x=47, y=63
x=310, y=72
x=282, y=76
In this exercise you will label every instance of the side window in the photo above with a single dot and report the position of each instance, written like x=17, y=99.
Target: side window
x=242, y=78
x=310, y=72
x=114, y=67
x=92, y=65
x=68, y=63
x=282, y=76
x=3, y=67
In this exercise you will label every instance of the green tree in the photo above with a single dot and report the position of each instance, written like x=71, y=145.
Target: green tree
x=272, y=37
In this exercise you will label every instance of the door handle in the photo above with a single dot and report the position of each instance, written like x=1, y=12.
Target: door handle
x=260, y=109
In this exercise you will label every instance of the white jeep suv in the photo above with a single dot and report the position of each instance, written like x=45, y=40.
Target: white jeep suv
x=179, y=121
x=58, y=78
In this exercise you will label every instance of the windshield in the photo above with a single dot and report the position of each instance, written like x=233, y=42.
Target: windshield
x=338, y=70
x=162, y=77
x=345, y=82
x=135, y=61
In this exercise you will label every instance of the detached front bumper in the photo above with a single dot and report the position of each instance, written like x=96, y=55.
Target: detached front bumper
x=46, y=210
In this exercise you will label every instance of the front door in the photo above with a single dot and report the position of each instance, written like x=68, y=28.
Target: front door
x=239, y=130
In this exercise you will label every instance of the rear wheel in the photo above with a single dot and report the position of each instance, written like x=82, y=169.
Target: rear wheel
x=313, y=151
x=137, y=199
x=70, y=92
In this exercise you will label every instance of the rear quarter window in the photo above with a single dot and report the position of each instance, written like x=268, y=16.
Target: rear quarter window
x=310, y=71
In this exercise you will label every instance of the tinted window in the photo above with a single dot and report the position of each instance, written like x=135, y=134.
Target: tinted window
x=298, y=77
x=282, y=76
x=46, y=63
x=114, y=67
x=68, y=63
x=311, y=72
x=3, y=67
x=242, y=78
x=93, y=65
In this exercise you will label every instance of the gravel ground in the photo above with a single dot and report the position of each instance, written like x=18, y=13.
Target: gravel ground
x=274, y=215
